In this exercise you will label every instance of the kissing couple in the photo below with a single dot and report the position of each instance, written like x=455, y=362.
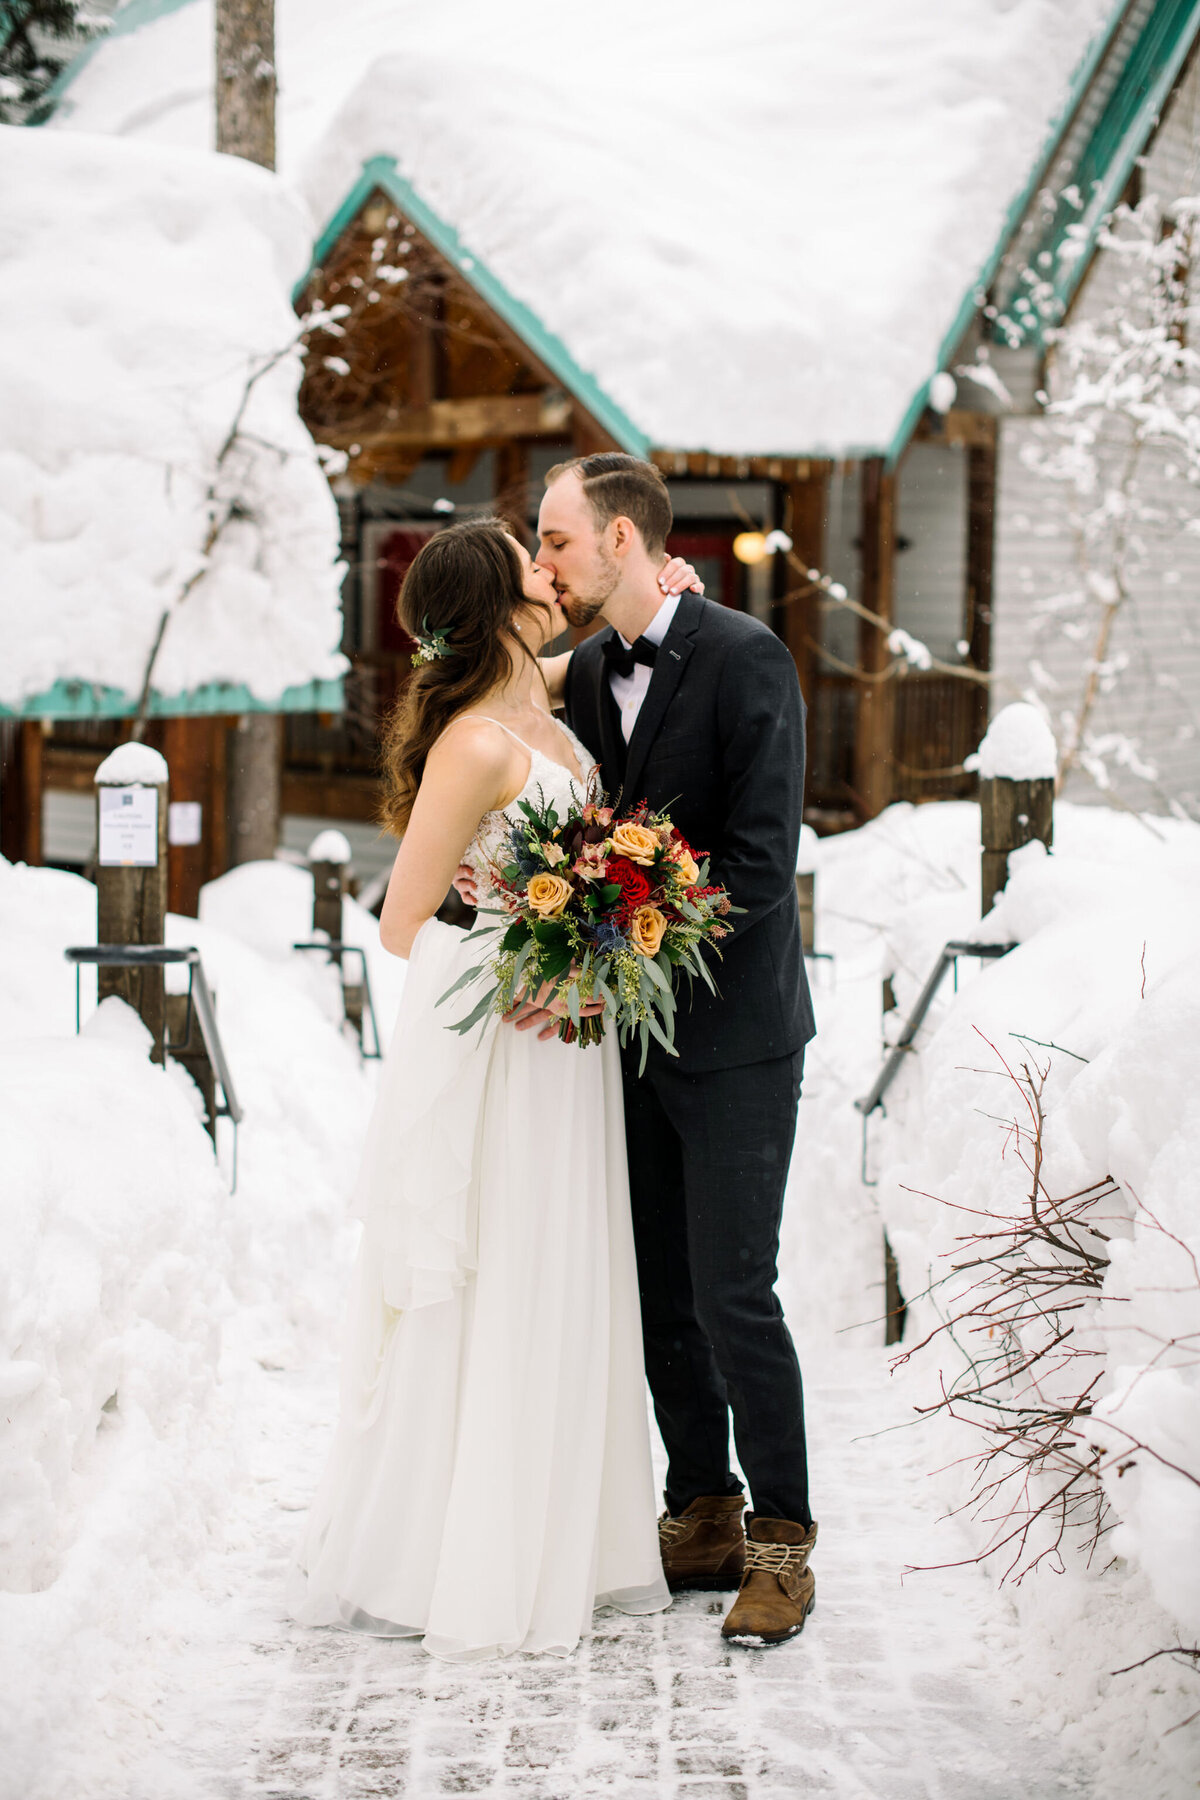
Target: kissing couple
x=490, y=1479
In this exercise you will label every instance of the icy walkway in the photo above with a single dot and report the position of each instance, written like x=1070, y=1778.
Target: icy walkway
x=892, y=1693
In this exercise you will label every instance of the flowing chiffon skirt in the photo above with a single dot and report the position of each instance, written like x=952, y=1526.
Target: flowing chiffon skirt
x=490, y=1478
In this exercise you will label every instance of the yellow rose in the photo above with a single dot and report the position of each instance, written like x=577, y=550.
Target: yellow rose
x=547, y=894
x=635, y=842
x=685, y=862
x=646, y=930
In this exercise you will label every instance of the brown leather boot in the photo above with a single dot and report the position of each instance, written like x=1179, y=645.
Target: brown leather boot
x=704, y=1547
x=776, y=1595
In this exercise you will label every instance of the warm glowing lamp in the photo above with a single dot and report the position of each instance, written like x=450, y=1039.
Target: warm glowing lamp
x=750, y=546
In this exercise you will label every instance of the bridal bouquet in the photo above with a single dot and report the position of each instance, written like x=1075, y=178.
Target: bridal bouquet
x=608, y=910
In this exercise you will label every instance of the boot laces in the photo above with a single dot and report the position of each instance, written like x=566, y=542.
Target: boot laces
x=776, y=1559
x=673, y=1531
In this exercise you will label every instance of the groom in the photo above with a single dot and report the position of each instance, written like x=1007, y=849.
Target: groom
x=697, y=709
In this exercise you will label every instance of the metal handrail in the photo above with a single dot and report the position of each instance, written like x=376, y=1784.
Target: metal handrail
x=199, y=995
x=338, y=950
x=949, y=956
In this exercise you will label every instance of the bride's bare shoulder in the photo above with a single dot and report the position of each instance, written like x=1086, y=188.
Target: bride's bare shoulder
x=470, y=748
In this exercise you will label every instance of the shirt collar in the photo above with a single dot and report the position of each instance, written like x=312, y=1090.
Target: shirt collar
x=660, y=624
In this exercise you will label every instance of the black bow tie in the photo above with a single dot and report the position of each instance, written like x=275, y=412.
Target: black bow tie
x=621, y=661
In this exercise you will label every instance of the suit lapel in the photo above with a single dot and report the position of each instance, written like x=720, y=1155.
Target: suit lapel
x=612, y=757
x=669, y=665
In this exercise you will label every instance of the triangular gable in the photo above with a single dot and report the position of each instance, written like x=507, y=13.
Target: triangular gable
x=382, y=174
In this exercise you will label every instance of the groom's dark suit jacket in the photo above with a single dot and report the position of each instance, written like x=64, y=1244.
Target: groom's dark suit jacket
x=719, y=744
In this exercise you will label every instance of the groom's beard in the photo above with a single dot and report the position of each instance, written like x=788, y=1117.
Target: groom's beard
x=582, y=608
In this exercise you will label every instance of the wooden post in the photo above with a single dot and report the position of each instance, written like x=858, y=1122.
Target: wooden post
x=189, y=750
x=807, y=513
x=329, y=860
x=981, y=557
x=131, y=875
x=1011, y=813
x=512, y=484
x=894, y=1305
x=874, y=727
x=245, y=93
x=21, y=791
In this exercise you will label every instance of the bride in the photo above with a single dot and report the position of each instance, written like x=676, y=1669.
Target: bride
x=489, y=1483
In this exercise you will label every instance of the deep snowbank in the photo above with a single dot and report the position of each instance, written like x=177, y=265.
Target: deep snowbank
x=1103, y=995
x=139, y=1297
x=141, y=288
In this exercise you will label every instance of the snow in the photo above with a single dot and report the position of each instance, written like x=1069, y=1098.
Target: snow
x=133, y=765
x=330, y=847
x=1018, y=746
x=826, y=183
x=1104, y=989
x=142, y=285
x=140, y=1299
x=142, y=1545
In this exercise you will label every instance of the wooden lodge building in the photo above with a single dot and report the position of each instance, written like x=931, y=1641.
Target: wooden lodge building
x=449, y=394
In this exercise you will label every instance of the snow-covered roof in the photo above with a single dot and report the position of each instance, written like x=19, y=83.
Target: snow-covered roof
x=753, y=226
x=138, y=285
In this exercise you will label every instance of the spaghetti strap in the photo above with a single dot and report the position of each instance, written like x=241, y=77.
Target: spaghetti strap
x=487, y=718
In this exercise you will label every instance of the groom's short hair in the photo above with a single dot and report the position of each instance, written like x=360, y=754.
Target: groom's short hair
x=618, y=486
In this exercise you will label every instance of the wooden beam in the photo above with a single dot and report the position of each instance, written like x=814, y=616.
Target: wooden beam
x=874, y=724
x=981, y=559
x=444, y=424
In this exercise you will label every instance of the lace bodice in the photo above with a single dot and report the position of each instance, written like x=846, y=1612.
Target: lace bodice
x=547, y=782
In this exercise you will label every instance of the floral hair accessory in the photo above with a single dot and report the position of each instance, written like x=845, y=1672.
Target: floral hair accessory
x=431, y=646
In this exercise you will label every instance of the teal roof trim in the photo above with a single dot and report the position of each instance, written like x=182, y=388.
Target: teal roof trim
x=382, y=172
x=969, y=304
x=1107, y=161
x=88, y=700
x=132, y=16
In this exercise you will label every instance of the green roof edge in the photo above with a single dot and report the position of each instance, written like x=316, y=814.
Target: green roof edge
x=91, y=700
x=382, y=172
x=1080, y=81
x=1170, y=31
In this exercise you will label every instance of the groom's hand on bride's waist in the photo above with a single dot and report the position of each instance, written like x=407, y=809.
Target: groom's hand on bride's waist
x=464, y=884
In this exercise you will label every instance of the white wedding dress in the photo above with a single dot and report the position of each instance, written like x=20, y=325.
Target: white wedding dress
x=489, y=1482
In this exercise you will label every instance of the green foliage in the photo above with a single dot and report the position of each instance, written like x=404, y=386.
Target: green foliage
x=38, y=38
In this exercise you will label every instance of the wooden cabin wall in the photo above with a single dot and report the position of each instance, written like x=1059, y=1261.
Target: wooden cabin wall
x=1156, y=700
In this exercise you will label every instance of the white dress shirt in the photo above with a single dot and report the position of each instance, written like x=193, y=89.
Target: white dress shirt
x=630, y=690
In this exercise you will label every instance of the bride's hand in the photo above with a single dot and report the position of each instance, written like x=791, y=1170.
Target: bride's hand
x=677, y=576
x=546, y=1010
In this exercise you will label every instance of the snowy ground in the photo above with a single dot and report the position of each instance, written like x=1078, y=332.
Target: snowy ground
x=171, y=1389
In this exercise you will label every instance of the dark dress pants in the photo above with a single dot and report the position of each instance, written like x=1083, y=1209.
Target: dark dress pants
x=708, y=1160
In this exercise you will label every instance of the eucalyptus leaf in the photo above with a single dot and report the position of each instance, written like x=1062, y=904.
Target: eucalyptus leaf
x=468, y=975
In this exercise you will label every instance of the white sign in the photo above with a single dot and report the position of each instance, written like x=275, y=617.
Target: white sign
x=184, y=822
x=128, y=827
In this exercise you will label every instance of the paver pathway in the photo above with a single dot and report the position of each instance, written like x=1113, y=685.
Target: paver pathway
x=891, y=1693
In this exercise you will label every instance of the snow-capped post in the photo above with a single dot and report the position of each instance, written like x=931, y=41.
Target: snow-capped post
x=131, y=875
x=1018, y=763
x=329, y=860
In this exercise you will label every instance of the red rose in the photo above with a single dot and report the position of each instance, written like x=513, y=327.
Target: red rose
x=633, y=883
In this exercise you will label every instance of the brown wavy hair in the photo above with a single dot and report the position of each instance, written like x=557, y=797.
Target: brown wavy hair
x=466, y=583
